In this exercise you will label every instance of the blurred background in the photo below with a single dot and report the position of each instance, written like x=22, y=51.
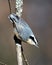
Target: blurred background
x=38, y=14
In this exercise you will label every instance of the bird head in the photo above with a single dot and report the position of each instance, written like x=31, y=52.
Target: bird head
x=32, y=40
x=13, y=18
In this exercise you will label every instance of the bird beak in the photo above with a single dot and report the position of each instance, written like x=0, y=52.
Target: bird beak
x=32, y=43
x=36, y=45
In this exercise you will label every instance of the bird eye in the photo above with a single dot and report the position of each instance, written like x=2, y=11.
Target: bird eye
x=32, y=38
x=14, y=20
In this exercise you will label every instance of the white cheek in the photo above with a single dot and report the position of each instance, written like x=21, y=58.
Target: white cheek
x=35, y=40
x=30, y=42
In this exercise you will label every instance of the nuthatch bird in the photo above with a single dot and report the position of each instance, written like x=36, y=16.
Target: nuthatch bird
x=22, y=30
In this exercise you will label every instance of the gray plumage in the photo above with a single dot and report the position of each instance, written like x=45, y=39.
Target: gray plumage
x=22, y=28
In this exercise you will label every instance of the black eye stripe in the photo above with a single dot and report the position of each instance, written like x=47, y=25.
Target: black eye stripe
x=32, y=38
x=11, y=19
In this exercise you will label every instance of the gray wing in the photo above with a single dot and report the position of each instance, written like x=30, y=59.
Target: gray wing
x=23, y=29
